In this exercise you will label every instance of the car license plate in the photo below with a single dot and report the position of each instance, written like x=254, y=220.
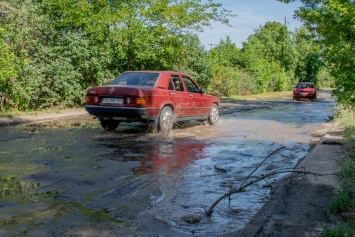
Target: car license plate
x=304, y=93
x=112, y=101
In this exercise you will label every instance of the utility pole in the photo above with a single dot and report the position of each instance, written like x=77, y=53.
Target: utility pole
x=212, y=45
x=286, y=22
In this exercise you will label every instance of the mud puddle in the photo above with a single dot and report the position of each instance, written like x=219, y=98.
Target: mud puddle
x=79, y=180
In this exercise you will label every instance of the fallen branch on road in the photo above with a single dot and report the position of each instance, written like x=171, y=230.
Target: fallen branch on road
x=245, y=184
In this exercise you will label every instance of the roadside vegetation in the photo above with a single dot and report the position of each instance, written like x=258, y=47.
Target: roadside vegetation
x=53, y=51
x=342, y=206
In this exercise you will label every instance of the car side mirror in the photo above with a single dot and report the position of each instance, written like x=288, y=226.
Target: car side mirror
x=202, y=91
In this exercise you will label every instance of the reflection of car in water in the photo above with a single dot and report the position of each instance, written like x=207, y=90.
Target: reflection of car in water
x=305, y=90
x=166, y=157
x=159, y=98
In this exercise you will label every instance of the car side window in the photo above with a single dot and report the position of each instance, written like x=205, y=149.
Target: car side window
x=175, y=83
x=191, y=86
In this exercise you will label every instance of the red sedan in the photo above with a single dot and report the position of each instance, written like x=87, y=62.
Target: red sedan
x=158, y=98
x=305, y=90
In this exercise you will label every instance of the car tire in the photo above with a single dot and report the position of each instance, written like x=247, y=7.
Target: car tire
x=214, y=114
x=109, y=125
x=166, y=120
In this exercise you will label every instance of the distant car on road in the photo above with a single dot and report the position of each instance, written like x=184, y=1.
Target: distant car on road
x=305, y=90
x=158, y=98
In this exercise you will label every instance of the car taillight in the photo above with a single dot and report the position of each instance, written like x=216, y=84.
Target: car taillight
x=92, y=99
x=140, y=101
x=135, y=100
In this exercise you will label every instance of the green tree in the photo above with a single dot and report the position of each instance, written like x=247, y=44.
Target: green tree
x=193, y=59
x=62, y=47
x=7, y=71
x=142, y=34
x=333, y=21
x=59, y=75
x=308, y=61
x=228, y=79
x=225, y=53
x=269, y=55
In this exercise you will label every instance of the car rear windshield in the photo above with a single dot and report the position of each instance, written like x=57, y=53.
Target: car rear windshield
x=305, y=85
x=136, y=79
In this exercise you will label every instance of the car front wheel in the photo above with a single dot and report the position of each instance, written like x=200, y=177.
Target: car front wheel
x=214, y=114
x=166, y=120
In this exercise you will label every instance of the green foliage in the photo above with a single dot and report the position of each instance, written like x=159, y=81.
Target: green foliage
x=59, y=75
x=333, y=21
x=194, y=61
x=343, y=202
x=308, y=63
x=7, y=71
x=269, y=57
x=325, y=78
x=55, y=50
x=343, y=230
x=228, y=81
x=224, y=54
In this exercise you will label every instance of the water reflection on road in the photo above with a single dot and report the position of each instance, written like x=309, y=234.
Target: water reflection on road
x=237, y=145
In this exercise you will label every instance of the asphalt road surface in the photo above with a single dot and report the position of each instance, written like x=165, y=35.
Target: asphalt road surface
x=68, y=177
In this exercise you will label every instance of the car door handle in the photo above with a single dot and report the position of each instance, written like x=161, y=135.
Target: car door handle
x=172, y=93
x=191, y=95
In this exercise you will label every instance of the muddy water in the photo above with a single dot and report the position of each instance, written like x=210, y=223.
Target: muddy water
x=70, y=178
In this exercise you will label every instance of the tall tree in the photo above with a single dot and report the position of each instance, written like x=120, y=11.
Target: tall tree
x=333, y=21
x=308, y=61
x=193, y=59
x=7, y=71
x=268, y=55
x=141, y=33
x=225, y=53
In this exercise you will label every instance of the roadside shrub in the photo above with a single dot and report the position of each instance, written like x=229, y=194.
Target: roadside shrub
x=343, y=203
x=58, y=75
x=228, y=81
x=343, y=230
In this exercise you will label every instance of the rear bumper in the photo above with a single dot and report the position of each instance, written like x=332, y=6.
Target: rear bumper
x=307, y=96
x=120, y=113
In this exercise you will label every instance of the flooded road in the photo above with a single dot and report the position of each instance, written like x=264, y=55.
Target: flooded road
x=70, y=178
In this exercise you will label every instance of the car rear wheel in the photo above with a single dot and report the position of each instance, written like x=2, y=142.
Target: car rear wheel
x=214, y=114
x=166, y=120
x=109, y=125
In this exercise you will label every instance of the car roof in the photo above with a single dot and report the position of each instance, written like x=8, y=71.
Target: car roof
x=157, y=71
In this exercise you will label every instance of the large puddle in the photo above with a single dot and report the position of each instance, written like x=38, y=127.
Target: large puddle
x=79, y=179
x=236, y=146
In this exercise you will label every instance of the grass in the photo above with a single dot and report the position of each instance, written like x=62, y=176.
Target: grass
x=342, y=206
x=11, y=114
x=263, y=96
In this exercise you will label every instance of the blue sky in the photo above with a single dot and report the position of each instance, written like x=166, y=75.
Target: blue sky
x=251, y=14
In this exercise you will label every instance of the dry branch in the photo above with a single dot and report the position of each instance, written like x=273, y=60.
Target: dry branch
x=245, y=184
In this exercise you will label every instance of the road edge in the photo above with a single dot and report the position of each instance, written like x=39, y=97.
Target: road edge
x=14, y=120
x=297, y=204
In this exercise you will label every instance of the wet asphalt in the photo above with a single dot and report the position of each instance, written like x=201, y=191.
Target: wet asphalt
x=68, y=177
